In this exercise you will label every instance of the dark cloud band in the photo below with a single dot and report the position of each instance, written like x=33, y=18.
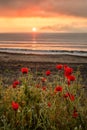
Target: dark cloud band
x=43, y=8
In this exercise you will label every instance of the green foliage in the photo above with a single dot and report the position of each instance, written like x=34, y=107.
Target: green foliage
x=41, y=106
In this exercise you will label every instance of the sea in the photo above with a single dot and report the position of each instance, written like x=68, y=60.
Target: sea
x=44, y=43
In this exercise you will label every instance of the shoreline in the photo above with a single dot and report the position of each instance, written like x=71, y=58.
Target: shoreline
x=25, y=50
x=60, y=58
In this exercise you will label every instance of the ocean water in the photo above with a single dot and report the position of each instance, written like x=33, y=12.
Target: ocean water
x=44, y=43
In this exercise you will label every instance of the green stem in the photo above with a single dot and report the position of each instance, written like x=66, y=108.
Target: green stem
x=82, y=123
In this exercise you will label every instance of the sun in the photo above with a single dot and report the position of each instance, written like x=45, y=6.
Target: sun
x=34, y=29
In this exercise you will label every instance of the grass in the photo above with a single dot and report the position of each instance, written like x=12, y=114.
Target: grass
x=44, y=101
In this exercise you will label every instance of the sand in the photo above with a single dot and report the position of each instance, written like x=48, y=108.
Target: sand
x=7, y=57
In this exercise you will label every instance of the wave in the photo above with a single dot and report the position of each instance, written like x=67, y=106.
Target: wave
x=42, y=52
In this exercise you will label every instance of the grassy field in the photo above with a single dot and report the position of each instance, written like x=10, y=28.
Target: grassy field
x=43, y=99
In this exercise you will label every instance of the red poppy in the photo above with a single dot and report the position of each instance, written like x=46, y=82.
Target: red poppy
x=66, y=95
x=24, y=70
x=58, y=88
x=43, y=79
x=48, y=72
x=15, y=83
x=71, y=77
x=44, y=88
x=72, y=97
x=68, y=71
x=59, y=67
x=38, y=86
x=49, y=104
x=15, y=106
x=75, y=114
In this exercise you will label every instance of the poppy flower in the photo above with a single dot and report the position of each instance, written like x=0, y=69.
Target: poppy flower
x=66, y=95
x=15, y=83
x=49, y=104
x=58, y=88
x=43, y=79
x=38, y=86
x=75, y=114
x=68, y=71
x=24, y=70
x=15, y=106
x=71, y=77
x=44, y=88
x=48, y=72
x=72, y=97
x=59, y=67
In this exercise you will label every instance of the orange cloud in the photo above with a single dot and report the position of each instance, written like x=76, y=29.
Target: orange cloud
x=43, y=8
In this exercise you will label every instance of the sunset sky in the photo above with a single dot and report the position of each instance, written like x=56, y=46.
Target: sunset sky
x=45, y=15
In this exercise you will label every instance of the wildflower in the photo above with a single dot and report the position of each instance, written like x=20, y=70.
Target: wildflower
x=48, y=72
x=24, y=70
x=75, y=114
x=58, y=88
x=38, y=86
x=71, y=77
x=68, y=71
x=72, y=97
x=59, y=67
x=49, y=104
x=66, y=95
x=15, y=83
x=44, y=88
x=43, y=79
x=15, y=106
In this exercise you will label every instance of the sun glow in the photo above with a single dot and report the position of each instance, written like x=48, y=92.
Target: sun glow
x=34, y=29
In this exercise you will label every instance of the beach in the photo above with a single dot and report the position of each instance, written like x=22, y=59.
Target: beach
x=11, y=64
x=52, y=58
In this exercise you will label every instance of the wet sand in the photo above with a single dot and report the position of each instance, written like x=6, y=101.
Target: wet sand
x=9, y=57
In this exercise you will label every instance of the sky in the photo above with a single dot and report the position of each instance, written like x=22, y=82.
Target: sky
x=44, y=15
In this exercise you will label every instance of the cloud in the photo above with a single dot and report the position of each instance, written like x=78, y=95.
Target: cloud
x=72, y=27
x=44, y=8
x=71, y=7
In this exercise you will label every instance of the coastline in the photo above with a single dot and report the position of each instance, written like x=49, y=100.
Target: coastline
x=24, y=50
x=52, y=58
